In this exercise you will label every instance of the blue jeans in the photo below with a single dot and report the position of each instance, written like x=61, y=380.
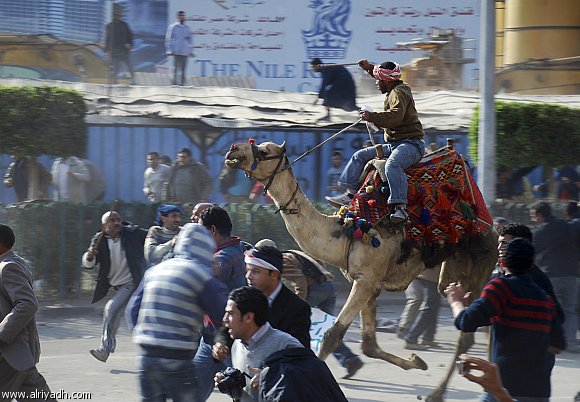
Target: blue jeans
x=323, y=296
x=401, y=155
x=426, y=323
x=566, y=290
x=162, y=379
x=205, y=369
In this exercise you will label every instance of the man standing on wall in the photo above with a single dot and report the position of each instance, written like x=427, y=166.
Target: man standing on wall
x=178, y=44
x=118, y=44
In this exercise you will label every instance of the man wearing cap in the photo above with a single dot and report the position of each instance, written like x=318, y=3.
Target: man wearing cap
x=118, y=250
x=403, y=135
x=161, y=237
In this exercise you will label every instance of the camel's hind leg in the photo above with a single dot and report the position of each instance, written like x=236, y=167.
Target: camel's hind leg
x=465, y=341
x=359, y=295
x=370, y=346
x=473, y=272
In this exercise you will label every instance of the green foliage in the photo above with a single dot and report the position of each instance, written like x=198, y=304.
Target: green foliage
x=42, y=121
x=532, y=134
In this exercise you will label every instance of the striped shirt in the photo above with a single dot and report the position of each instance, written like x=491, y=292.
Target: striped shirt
x=522, y=316
x=168, y=308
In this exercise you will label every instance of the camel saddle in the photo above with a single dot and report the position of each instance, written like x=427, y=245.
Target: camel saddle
x=445, y=206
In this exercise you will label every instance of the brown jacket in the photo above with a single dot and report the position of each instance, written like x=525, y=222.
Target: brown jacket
x=399, y=119
x=293, y=272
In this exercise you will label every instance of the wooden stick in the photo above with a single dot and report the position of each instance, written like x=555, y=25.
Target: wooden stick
x=321, y=66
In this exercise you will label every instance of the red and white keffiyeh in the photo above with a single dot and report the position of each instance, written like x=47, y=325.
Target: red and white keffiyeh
x=384, y=74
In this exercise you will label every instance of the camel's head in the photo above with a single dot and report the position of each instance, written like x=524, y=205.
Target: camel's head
x=256, y=160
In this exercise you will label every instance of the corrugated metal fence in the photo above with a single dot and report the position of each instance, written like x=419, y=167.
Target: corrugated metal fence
x=53, y=235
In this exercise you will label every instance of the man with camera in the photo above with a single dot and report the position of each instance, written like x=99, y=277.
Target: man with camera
x=246, y=318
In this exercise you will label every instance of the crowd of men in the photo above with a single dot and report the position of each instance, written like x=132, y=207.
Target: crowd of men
x=203, y=303
x=185, y=292
x=209, y=309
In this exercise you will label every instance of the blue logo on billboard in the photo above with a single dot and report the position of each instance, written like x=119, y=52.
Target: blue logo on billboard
x=328, y=37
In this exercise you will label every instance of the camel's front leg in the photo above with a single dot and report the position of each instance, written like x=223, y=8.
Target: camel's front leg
x=465, y=341
x=370, y=346
x=360, y=293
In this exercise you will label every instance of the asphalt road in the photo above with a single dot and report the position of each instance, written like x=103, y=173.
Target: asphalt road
x=68, y=330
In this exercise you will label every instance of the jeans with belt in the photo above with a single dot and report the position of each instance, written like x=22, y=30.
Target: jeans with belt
x=400, y=155
x=323, y=296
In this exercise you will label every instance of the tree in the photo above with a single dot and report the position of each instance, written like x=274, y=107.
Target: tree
x=42, y=121
x=532, y=134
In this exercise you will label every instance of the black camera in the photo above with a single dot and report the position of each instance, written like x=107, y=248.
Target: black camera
x=233, y=383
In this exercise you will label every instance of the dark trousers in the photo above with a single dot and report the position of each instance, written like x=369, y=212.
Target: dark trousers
x=115, y=66
x=180, y=63
x=29, y=383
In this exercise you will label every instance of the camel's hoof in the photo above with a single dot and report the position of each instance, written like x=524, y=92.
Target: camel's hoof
x=418, y=362
x=436, y=396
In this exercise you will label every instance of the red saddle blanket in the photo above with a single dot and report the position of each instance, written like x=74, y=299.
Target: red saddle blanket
x=444, y=203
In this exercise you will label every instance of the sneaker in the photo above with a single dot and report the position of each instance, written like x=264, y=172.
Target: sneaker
x=353, y=366
x=430, y=344
x=399, y=216
x=100, y=354
x=415, y=346
x=340, y=200
x=401, y=333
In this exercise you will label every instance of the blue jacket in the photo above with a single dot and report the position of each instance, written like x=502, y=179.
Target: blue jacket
x=296, y=374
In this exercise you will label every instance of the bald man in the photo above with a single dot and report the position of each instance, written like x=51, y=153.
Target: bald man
x=198, y=209
x=118, y=249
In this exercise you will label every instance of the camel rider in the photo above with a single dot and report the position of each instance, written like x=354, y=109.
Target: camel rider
x=403, y=135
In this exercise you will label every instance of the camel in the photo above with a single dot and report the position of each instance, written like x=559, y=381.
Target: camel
x=369, y=269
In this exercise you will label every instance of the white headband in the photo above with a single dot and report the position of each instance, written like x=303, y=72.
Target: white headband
x=250, y=259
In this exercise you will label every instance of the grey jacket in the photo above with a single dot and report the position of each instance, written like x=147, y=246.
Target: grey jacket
x=19, y=343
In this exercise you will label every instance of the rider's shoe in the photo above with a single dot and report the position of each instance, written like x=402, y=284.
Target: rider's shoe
x=399, y=216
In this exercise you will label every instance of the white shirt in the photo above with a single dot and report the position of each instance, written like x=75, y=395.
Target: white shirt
x=119, y=274
x=153, y=181
x=274, y=294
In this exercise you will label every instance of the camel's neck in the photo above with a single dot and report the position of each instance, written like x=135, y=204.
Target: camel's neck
x=311, y=229
x=285, y=191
